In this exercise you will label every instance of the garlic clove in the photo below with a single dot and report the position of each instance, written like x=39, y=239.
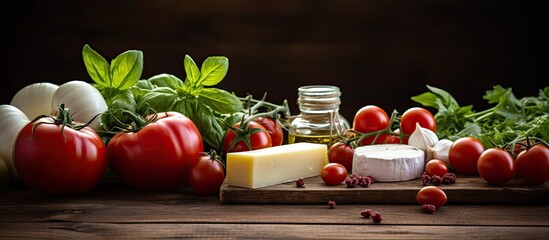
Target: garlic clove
x=422, y=138
x=440, y=151
x=34, y=100
x=83, y=100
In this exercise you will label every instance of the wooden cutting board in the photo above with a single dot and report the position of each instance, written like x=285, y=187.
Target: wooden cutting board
x=466, y=190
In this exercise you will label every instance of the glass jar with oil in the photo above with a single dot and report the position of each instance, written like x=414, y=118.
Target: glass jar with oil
x=319, y=120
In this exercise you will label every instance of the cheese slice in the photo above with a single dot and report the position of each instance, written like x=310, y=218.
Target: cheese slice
x=275, y=165
x=389, y=162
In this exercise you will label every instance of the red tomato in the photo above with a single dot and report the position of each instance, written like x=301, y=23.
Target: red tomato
x=533, y=165
x=343, y=154
x=333, y=173
x=370, y=119
x=394, y=139
x=54, y=159
x=257, y=140
x=160, y=155
x=417, y=115
x=275, y=130
x=436, y=167
x=207, y=175
x=431, y=195
x=496, y=166
x=464, y=153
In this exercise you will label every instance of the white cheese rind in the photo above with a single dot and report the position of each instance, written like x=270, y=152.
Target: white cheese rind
x=275, y=165
x=389, y=162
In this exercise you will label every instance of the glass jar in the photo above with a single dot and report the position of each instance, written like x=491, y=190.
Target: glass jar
x=319, y=120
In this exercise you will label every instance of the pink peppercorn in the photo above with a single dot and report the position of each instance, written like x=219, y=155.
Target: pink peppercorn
x=331, y=204
x=376, y=217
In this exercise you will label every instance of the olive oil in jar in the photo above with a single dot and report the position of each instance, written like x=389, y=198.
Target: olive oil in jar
x=322, y=139
x=319, y=120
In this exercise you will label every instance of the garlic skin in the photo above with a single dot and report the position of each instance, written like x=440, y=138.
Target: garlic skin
x=12, y=120
x=83, y=100
x=440, y=151
x=422, y=138
x=35, y=99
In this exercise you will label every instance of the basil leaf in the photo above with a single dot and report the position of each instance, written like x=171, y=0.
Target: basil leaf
x=192, y=71
x=166, y=80
x=161, y=99
x=220, y=100
x=211, y=129
x=126, y=69
x=213, y=70
x=446, y=97
x=123, y=100
x=427, y=99
x=97, y=66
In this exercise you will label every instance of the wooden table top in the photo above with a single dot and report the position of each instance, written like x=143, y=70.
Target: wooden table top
x=114, y=210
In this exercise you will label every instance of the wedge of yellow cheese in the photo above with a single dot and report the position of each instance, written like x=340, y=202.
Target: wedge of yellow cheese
x=275, y=165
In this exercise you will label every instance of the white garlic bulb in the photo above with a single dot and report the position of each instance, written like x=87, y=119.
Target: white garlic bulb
x=440, y=151
x=422, y=138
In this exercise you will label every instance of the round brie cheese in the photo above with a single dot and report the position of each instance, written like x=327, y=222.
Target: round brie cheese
x=389, y=162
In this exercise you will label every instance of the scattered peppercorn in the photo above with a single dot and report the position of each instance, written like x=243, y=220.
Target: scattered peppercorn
x=376, y=217
x=449, y=178
x=436, y=180
x=366, y=213
x=300, y=182
x=429, y=208
x=355, y=180
x=425, y=179
x=331, y=204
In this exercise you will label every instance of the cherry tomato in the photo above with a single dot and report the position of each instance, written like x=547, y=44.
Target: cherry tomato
x=436, y=167
x=496, y=166
x=333, y=173
x=275, y=130
x=464, y=153
x=207, y=175
x=56, y=159
x=258, y=140
x=160, y=155
x=533, y=165
x=417, y=115
x=431, y=195
x=393, y=139
x=343, y=154
x=370, y=119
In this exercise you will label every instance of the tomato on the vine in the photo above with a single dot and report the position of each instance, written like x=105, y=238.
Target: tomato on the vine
x=369, y=119
x=54, y=155
x=431, y=195
x=417, y=115
x=159, y=155
x=533, y=165
x=255, y=134
x=496, y=166
x=436, y=167
x=207, y=175
x=342, y=153
x=333, y=173
x=464, y=153
x=274, y=129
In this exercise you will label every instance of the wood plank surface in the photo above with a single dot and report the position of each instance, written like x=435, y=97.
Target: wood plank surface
x=68, y=230
x=119, y=204
x=466, y=190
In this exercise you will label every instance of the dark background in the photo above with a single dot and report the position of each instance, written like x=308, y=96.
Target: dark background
x=378, y=52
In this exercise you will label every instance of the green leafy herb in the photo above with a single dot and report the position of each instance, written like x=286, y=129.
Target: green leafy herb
x=510, y=119
x=195, y=97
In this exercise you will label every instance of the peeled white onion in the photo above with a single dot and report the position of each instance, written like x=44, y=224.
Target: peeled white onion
x=35, y=99
x=12, y=120
x=83, y=100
